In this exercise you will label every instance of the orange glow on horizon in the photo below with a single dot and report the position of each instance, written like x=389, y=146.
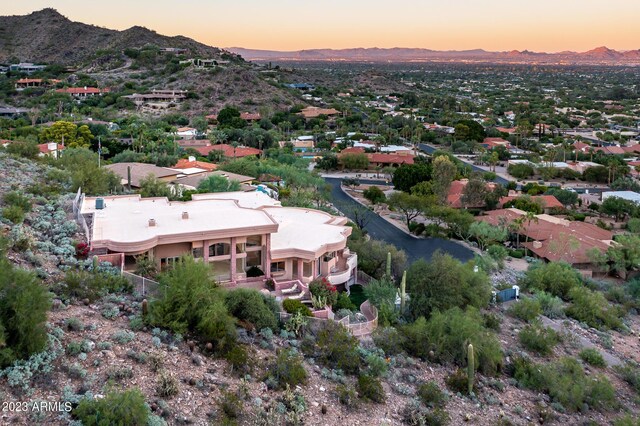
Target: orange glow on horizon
x=496, y=25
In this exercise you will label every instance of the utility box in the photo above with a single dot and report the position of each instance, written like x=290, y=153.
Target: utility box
x=99, y=203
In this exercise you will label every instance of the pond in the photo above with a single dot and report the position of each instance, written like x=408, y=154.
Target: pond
x=357, y=295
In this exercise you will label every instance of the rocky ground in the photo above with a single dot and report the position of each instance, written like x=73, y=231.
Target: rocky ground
x=115, y=355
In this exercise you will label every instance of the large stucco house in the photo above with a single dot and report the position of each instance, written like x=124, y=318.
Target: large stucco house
x=232, y=232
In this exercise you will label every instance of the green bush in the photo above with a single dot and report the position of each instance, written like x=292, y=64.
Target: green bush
x=592, y=308
x=116, y=408
x=370, y=389
x=374, y=194
x=557, y=278
x=238, y=359
x=286, y=370
x=294, y=306
x=73, y=324
x=458, y=382
x=431, y=395
x=334, y=347
x=389, y=339
x=448, y=334
x=593, y=357
x=527, y=309
x=551, y=305
x=251, y=306
x=630, y=373
x=566, y=383
x=24, y=303
x=14, y=214
x=14, y=198
x=167, y=386
x=192, y=302
x=444, y=283
x=344, y=302
x=92, y=286
x=539, y=339
x=492, y=321
x=516, y=254
x=347, y=396
x=231, y=407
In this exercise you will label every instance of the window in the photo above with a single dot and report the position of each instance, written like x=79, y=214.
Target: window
x=240, y=265
x=307, y=269
x=254, y=241
x=239, y=247
x=219, y=249
x=329, y=256
x=168, y=262
x=254, y=258
x=278, y=266
x=197, y=252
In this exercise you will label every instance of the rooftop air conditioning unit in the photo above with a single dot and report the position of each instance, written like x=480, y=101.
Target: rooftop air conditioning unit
x=185, y=215
x=152, y=222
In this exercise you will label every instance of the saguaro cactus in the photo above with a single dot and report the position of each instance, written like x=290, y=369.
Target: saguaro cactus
x=95, y=264
x=388, y=272
x=145, y=308
x=403, y=291
x=129, y=177
x=471, y=367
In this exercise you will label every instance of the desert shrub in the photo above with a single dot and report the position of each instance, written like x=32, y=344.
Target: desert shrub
x=492, y=321
x=250, y=305
x=539, y=339
x=551, y=305
x=626, y=420
x=458, y=381
x=167, y=386
x=566, y=383
x=14, y=198
x=13, y=214
x=389, y=339
x=192, y=302
x=74, y=348
x=447, y=335
x=592, y=308
x=498, y=253
x=231, y=406
x=286, y=370
x=370, y=389
x=344, y=302
x=556, y=278
x=24, y=303
x=431, y=395
x=238, y=359
x=293, y=306
x=123, y=336
x=321, y=288
x=73, y=324
x=413, y=414
x=116, y=408
x=347, y=395
x=254, y=271
x=334, y=347
x=593, y=357
x=630, y=373
x=92, y=286
x=374, y=194
x=526, y=309
x=377, y=366
x=119, y=374
x=444, y=283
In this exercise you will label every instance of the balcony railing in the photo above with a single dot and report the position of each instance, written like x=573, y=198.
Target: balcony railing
x=342, y=276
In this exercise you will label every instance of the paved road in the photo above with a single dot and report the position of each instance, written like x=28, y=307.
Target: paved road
x=380, y=229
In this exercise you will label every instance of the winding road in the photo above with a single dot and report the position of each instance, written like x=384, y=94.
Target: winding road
x=379, y=229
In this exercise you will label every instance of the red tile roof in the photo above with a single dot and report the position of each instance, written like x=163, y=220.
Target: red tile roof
x=377, y=157
x=581, y=146
x=454, y=197
x=44, y=148
x=506, y=130
x=313, y=112
x=82, y=90
x=555, y=239
x=249, y=116
x=228, y=150
x=611, y=150
x=548, y=201
x=352, y=150
x=632, y=148
x=184, y=163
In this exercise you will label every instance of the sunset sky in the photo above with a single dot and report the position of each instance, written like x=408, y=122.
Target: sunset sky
x=540, y=25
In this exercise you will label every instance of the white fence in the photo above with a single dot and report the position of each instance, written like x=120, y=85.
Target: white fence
x=143, y=286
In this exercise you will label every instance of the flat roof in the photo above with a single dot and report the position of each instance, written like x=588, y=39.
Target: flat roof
x=124, y=222
x=626, y=195
x=123, y=225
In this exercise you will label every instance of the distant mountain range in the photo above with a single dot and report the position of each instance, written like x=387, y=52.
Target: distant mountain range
x=48, y=36
x=600, y=55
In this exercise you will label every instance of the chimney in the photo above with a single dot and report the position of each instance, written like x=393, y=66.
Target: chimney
x=152, y=222
x=537, y=245
x=192, y=158
x=185, y=215
x=52, y=146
